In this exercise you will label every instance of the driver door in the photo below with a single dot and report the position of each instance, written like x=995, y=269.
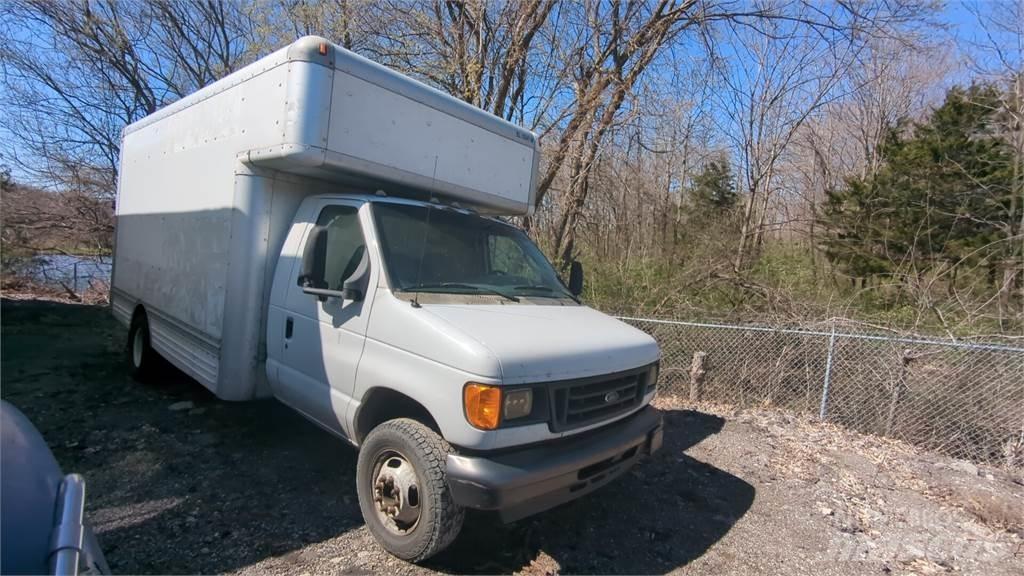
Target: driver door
x=323, y=336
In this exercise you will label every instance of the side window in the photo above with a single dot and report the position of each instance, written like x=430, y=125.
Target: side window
x=507, y=258
x=334, y=248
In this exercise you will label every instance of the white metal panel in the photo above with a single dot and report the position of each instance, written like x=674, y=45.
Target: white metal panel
x=355, y=122
x=185, y=235
x=384, y=132
x=192, y=352
x=265, y=205
x=121, y=306
x=176, y=199
x=565, y=342
x=308, y=104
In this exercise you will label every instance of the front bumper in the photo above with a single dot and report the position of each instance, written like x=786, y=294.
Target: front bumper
x=524, y=482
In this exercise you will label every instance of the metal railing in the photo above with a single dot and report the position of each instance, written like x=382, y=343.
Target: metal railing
x=963, y=399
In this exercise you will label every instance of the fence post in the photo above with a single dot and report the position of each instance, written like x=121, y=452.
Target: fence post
x=74, y=279
x=823, y=411
x=696, y=375
x=897, y=390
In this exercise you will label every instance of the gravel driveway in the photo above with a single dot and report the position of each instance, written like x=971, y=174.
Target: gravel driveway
x=179, y=482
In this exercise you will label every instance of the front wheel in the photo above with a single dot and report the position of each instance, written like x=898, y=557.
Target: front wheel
x=401, y=479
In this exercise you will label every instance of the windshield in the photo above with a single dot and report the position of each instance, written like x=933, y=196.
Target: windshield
x=461, y=254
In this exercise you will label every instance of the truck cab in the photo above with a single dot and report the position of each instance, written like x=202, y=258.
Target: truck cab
x=322, y=230
x=386, y=308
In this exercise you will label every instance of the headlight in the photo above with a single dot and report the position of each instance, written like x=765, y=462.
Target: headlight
x=652, y=379
x=487, y=406
x=483, y=405
x=518, y=403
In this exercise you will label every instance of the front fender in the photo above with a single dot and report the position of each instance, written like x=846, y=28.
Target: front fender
x=436, y=386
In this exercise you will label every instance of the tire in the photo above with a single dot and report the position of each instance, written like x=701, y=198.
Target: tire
x=141, y=356
x=438, y=519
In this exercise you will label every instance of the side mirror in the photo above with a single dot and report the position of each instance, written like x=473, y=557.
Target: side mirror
x=322, y=294
x=575, y=278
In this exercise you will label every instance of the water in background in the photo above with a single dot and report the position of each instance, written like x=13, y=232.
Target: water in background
x=75, y=272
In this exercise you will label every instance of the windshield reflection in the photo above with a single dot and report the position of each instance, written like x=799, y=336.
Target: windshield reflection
x=460, y=253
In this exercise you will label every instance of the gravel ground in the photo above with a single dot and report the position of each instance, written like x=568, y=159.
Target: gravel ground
x=180, y=482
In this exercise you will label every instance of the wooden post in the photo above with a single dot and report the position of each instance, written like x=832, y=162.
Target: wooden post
x=696, y=375
x=898, y=388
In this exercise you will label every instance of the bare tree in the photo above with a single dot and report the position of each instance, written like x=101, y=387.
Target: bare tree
x=480, y=51
x=613, y=44
x=773, y=78
x=352, y=24
x=74, y=74
x=997, y=56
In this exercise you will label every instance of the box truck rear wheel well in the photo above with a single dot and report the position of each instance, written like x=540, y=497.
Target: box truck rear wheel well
x=383, y=404
x=139, y=313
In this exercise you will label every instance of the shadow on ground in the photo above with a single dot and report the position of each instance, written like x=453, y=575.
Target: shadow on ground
x=663, y=514
x=220, y=486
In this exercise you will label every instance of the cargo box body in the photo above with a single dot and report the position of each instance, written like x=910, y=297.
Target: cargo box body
x=209, y=187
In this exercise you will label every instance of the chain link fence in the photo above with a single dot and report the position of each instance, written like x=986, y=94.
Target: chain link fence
x=73, y=274
x=963, y=399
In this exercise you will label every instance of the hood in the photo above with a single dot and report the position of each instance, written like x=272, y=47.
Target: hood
x=545, y=343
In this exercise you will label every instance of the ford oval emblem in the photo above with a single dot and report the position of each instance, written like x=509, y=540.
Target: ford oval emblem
x=611, y=397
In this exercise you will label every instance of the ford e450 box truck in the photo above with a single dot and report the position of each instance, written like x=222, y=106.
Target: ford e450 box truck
x=318, y=228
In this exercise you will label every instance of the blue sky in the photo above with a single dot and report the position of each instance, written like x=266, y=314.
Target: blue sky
x=963, y=22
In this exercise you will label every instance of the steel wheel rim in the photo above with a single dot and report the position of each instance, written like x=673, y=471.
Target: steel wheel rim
x=137, y=344
x=396, y=494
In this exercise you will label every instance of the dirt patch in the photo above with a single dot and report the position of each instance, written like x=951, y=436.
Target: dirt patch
x=252, y=488
x=21, y=288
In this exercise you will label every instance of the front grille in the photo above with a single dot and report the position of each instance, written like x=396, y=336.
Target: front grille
x=586, y=401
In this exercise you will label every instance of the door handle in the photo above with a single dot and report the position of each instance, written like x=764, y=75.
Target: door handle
x=289, y=326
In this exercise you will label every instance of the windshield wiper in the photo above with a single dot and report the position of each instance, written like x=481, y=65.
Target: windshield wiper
x=548, y=289
x=460, y=286
x=557, y=293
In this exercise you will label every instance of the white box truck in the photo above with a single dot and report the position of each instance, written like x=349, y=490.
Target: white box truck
x=318, y=228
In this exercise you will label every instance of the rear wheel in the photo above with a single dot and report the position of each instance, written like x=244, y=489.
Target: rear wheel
x=141, y=356
x=403, y=490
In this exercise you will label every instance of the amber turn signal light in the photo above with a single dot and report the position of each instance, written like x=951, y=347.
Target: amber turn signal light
x=483, y=405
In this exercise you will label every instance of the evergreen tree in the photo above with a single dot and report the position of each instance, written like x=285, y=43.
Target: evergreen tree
x=713, y=188
x=941, y=196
